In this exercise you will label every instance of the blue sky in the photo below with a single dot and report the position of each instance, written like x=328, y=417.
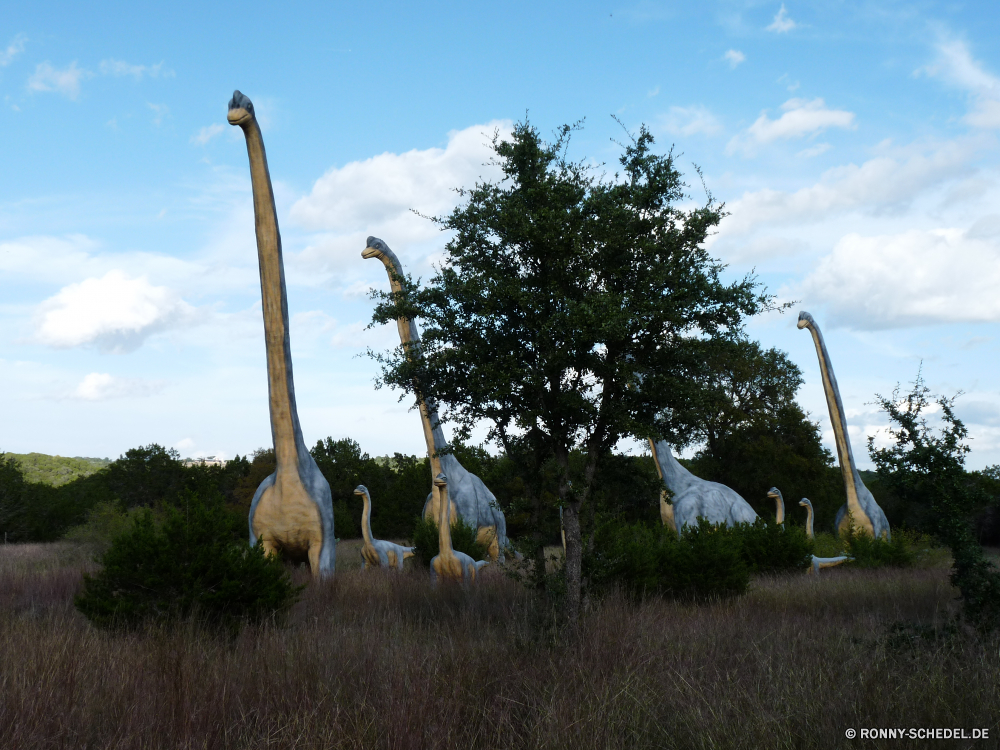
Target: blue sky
x=854, y=144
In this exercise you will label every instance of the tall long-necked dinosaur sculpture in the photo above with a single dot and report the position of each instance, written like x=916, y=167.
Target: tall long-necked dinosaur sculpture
x=695, y=498
x=292, y=510
x=819, y=562
x=449, y=564
x=864, y=511
x=374, y=551
x=472, y=499
x=779, y=506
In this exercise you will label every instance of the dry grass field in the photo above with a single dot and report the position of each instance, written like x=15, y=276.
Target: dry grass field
x=379, y=660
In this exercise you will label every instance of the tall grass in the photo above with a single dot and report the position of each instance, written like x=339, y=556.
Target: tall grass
x=376, y=659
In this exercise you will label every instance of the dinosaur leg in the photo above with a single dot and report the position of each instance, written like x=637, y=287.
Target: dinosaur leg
x=269, y=549
x=314, y=550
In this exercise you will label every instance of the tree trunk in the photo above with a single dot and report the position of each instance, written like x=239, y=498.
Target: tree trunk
x=574, y=559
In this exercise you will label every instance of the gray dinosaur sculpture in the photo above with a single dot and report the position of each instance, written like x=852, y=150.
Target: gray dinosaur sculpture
x=449, y=563
x=819, y=562
x=472, y=499
x=694, y=497
x=292, y=510
x=779, y=512
x=378, y=552
x=864, y=511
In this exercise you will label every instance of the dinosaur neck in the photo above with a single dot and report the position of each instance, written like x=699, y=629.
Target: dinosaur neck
x=809, y=521
x=288, y=443
x=779, y=511
x=366, y=520
x=844, y=454
x=409, y=336
x=444, y=523
x=671, y=472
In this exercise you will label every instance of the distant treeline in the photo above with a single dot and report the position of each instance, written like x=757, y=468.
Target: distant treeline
x=150, y=476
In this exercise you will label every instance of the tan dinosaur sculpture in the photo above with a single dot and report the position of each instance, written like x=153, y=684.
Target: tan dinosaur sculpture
x=472, y=499
x=378, y=552
x=818, y=562
x=450, y=564
x=779, y=502
x=861, y=506
x=292, y=510
x=693, y=497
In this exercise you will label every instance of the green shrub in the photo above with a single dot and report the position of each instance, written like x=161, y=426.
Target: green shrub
x=771, y=549
x=869, y=552
x=463, y=539
x=196, y=564
x=649, y=559
x=826, y=544
x=105, y=521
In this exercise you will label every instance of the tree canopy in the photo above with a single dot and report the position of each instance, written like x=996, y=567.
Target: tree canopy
x=573, y=309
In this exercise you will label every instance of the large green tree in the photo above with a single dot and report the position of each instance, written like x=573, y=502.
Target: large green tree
x=572, y=310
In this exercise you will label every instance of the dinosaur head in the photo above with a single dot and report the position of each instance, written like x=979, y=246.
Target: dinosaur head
x=804, y=502
x=361, y=490
x=440, y=481
x=375, y=248
x=805, y=320
x=240, y=109
x=774, y=493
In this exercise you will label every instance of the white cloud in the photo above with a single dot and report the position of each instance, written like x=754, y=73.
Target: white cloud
x=690, y=121
x=885, y=182
x=819, y=148
x=15, y=48
x=734, y=57
x=917, y=277
x=800, y=118
x=364, y=194
x=121, y=68
x=653, y=91
x=65, y=82
x=782, y=23
x=207, y=133
x=116, y=313
x=955, y=65
x=100, y=386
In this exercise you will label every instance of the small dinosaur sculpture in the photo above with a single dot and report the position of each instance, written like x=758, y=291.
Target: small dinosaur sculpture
x=779, y=501
x=450, y=564
x=472, y=498
x=864, y=511
x=694, y=497
x=292, y=510
x=818, y=562
x=374, y=551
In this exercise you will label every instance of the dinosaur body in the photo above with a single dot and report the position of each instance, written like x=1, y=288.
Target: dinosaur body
x=471, y=498
x=779, y=502
x=860, y=507
x=450, y=564
x=378, y=552
x=292, y=510
x=695, y=498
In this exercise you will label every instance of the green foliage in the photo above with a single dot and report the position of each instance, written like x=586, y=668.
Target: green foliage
x=648, y=559
x=869, y=552
x=463, y=539
x=56, y=470
x=107, y=520
x=926, y=467
x=826, y=544
x=768, y=548
x=196, y=564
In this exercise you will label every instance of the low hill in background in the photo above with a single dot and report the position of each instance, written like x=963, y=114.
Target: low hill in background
x=57, y=470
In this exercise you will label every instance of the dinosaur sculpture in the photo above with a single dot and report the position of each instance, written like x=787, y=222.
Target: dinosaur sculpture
x=472, y=499
x=860, y=507
x=292, y=510
x=779, y=501
x=818, y=562
x=450, y=564
x=694, y=497
x=376, y=551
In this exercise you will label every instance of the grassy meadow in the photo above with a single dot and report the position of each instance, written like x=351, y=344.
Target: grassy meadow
x=377, y=659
